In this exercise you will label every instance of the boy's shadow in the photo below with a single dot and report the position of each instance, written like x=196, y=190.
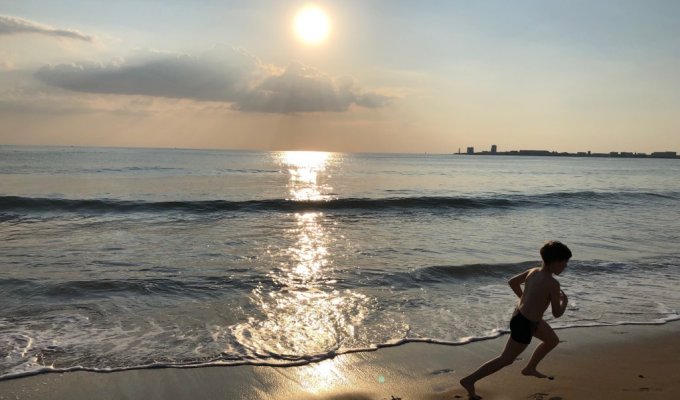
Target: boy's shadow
x=543, y=396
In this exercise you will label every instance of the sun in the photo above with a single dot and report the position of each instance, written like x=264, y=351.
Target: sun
x=312, y=25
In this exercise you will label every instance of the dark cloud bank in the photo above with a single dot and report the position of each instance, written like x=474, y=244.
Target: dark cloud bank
x=14, y=25
x=222, y=74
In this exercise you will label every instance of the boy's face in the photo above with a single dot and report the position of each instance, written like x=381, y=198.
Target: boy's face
x=559, y=266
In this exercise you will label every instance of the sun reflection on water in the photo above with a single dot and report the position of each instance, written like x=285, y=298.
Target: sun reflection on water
x=304, y=168
x=302, y=313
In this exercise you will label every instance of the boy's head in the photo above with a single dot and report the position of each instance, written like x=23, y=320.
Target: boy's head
x=555, y=254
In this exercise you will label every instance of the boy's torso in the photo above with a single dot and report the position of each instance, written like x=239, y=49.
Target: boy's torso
x=536, y=296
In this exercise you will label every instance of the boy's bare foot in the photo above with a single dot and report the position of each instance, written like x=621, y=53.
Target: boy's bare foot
x=470, y=387
x=534, y=372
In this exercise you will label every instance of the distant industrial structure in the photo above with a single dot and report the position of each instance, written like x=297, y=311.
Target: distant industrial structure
x=546, y=153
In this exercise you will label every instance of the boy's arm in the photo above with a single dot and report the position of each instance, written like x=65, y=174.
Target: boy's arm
x=516, y=281
x=558, y=300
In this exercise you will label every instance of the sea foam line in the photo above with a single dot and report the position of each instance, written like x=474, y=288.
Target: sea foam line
x=305, y=360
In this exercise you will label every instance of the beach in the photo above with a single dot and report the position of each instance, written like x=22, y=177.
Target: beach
x=615, y=362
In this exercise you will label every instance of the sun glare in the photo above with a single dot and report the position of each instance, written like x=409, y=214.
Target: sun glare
x=312, y=25
x=304, y=168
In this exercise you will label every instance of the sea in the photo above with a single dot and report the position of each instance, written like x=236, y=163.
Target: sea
x=120, y=258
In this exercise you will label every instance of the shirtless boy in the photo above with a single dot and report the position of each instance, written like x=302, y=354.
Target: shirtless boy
x=540, y=290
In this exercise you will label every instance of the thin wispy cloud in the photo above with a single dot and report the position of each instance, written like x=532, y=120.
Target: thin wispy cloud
x=223, y=74
x=10, y=25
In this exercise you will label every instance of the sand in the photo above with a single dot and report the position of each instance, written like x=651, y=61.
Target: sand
x=618, y=362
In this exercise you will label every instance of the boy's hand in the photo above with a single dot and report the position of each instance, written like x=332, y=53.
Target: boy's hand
x=563, y=297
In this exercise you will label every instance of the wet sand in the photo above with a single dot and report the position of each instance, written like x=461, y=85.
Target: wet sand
x=618, y=362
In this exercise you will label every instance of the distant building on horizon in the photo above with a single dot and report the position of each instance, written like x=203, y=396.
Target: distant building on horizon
x=613, y=154
x=534, y=153
x=664, y=154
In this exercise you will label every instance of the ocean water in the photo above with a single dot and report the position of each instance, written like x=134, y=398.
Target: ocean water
x=114, y=259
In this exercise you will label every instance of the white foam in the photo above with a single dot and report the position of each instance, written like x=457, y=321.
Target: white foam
x=33, y=368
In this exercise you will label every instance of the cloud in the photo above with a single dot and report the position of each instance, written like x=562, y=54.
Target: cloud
x=304, y=89
x=21, y=94
x=223, y=74
x=211, y=77
x=14, y=25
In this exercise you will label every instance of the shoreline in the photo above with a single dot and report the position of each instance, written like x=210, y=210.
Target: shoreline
x=632, y=361
x=316, y=359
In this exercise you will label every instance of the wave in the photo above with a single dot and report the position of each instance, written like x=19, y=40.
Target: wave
x=248, y=280
x=18, y=204
x=454, y=274
x=40, y=310
x=194, y=287
x=226, y=361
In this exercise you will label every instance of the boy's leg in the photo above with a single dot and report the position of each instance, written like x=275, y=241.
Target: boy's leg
x=549, y=340
x=507, y=357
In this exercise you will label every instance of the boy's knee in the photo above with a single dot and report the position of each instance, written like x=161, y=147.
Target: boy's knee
x=553, y=342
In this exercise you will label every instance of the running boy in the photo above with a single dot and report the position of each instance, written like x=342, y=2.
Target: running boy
x=540, y=290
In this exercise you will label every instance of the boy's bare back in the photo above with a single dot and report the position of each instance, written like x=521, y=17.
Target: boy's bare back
x=540, y=290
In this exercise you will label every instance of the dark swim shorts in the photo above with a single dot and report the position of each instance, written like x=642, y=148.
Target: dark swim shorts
x=522, y=328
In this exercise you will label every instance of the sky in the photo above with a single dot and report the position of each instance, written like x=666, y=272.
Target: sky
x=390, y=76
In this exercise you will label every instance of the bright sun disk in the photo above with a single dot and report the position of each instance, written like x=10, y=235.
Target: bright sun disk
x=312, y=25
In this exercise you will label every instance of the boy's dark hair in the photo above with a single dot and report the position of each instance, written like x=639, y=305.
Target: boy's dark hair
x=555, y=251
